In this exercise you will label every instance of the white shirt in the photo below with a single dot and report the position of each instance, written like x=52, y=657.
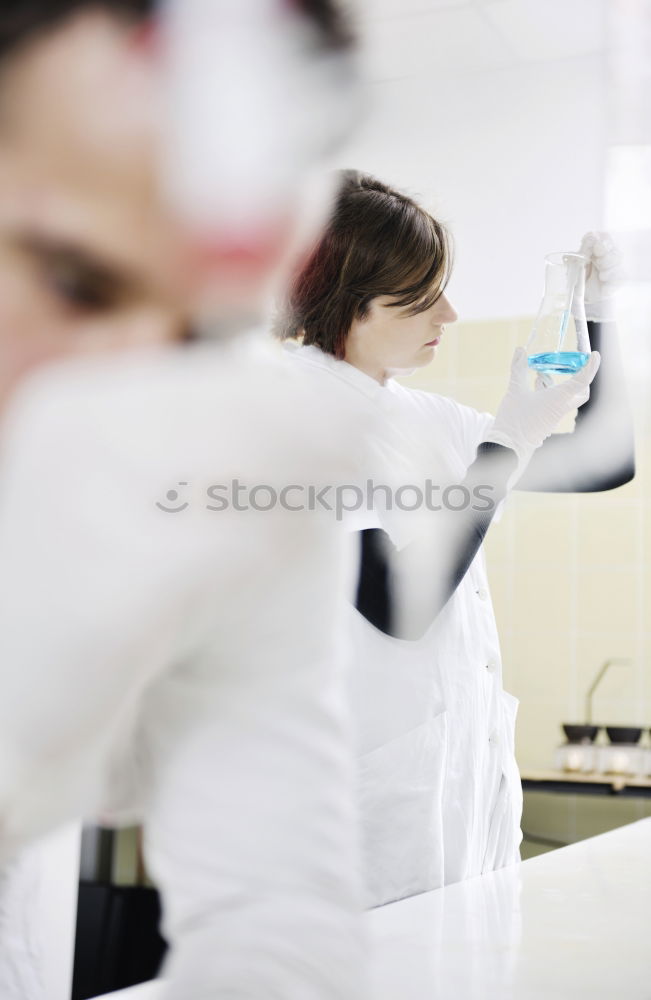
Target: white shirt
x=180, y=666
x=440, y=790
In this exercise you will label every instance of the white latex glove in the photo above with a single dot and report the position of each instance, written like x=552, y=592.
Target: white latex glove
x=603, y=274
x=527, y=416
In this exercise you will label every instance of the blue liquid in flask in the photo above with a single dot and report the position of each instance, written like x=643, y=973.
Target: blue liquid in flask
x=558, y=362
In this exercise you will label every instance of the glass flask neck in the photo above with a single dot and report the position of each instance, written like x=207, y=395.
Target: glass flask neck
x=565, y=279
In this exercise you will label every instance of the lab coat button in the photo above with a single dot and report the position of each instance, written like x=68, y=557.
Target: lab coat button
x=494, y=738
x=482, y=594
x=492, y=666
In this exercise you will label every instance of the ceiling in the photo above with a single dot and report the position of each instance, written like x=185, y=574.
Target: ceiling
x=407, y=38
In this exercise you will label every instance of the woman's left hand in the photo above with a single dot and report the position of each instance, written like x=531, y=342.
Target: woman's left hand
x=603, y=274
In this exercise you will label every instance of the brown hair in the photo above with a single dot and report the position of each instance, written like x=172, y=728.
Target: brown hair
x=378, y=242
x=23, y=20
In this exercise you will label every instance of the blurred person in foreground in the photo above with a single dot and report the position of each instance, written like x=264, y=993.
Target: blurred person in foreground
x=163, y=661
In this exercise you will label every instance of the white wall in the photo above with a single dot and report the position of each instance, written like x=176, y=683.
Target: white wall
x=513, y=159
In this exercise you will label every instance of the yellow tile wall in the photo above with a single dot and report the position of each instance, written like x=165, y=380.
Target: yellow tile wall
x=570, y=575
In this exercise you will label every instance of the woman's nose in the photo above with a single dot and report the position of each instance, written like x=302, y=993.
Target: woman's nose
x=446, y=312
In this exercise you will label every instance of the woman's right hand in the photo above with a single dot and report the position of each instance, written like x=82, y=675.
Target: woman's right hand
x=527, y=416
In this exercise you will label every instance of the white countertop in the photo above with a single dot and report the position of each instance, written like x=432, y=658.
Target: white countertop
x=570, y=924
x=573, y=924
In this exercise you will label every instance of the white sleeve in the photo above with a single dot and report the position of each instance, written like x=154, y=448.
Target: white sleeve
x=473, y=427
x=93, y=590
x=38, y=906
x=101, y=592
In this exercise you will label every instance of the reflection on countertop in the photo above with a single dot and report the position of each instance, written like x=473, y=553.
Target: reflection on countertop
x=567, y=925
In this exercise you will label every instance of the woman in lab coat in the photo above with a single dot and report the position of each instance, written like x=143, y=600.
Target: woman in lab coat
x=439, y=785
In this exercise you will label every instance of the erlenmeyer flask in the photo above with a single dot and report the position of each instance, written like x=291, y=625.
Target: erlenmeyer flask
x=559, y=340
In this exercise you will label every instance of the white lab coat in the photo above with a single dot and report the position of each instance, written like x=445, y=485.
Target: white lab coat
x=440, y=789
x=38, y=907
x=181, y=669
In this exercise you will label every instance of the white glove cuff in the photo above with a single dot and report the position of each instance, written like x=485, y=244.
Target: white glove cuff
x=600, y=312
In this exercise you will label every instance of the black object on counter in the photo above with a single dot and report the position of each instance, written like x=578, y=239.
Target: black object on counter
x=117, y=943
x=576, y=733
x=624, y=734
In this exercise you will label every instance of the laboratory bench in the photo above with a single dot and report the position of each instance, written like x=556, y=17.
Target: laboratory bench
x=570, y=783
x=567, y=925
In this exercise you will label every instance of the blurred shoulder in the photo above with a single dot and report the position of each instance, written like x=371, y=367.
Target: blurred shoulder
x=229, y=406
